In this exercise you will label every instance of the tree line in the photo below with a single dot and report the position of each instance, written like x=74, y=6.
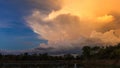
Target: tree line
x=88, y=53
x=36, y=57
x=97, y=52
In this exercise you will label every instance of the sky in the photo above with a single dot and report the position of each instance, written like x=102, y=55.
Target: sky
x=14, y=33
x=58, y=26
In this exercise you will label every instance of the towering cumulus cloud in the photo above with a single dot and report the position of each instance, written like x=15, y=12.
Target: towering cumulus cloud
x=69, y=24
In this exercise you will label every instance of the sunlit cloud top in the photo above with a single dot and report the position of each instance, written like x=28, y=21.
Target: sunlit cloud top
x=76, y=21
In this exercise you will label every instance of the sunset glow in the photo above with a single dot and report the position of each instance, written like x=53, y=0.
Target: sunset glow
x=59, y=24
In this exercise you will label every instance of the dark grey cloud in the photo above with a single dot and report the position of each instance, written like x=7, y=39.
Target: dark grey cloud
x=45, y=5
x=27, y=6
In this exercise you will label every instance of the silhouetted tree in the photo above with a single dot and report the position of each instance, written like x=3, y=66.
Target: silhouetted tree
x=0, y=56
x=68, y=57
x=86, y=52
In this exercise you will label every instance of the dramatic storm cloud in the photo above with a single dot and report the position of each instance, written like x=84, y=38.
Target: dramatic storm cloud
x=72, y=24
